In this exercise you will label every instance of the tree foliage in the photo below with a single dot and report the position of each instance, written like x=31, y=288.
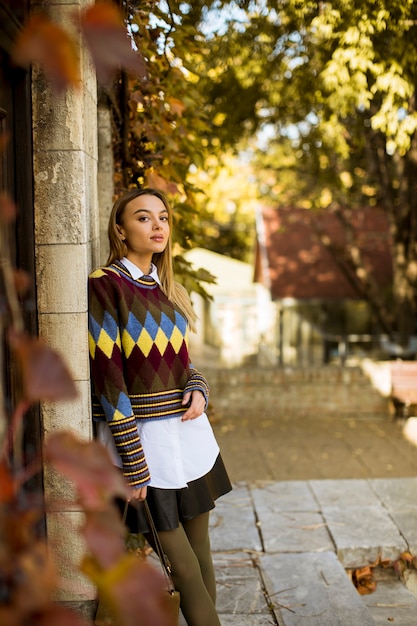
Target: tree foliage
x=334, y=84
x=329, y=87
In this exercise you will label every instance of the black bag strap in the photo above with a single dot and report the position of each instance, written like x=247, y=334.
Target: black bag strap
x=166, y=565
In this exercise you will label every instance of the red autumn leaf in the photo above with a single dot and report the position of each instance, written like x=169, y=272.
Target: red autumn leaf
x=45, y=374
x=158, y=182
x=55, y=614
x=104, y=533
x=107, y=39
x=7, y=484
x=88, y=464
x=8, y=209
x=44, y=42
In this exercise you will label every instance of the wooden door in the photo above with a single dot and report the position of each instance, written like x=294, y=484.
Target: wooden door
x=16, y=178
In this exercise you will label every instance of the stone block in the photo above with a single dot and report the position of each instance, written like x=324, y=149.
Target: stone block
x=391, y=602
x=67, y=334
x=363, y=534
x=246, y=620
x=344, y=493
x=233, y=524
x=283, y=496
x=72, y=415
x=66, y=542
x=406, y=523
x=396, y=493
x=294, y=531
x=59, y=121
x=312, y=589
x=239, y=584
x=62, y=279
x=61, y=183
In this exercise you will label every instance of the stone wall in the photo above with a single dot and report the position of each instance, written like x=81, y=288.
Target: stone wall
x=320, y=390
x=66, y=247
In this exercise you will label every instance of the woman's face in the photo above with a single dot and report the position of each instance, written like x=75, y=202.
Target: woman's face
x=145, y=226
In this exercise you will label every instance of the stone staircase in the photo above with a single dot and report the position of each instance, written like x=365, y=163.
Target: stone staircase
x=321, y=390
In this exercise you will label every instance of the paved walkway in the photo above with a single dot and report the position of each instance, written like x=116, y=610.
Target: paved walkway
x=282, y=550
x=315, y=497
x=303, y=447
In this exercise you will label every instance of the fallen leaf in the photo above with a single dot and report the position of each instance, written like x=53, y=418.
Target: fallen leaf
x=363, y=579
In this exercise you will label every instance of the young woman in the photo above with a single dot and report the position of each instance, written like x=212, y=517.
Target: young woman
x=149, y=401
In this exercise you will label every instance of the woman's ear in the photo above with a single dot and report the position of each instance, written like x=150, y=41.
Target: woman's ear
x=120, y=233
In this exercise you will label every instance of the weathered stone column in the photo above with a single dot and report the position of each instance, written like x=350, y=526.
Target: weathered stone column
x=66, y=243
x=105, y=174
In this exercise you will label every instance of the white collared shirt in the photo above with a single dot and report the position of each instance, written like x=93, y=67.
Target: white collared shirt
x=176, y=452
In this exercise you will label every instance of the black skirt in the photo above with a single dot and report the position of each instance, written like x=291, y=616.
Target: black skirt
x=170, y=507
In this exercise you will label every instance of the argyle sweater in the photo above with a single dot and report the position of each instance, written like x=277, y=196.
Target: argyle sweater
x=140, y=366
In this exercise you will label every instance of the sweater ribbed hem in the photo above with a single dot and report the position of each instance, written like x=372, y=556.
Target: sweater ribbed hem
x=149, y=406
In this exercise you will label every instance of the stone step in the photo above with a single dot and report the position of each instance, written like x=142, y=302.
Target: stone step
x=312, y=588
x=275, y=391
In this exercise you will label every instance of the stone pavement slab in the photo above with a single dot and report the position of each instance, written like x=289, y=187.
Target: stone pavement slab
x=233, y=525
x=406, y=522
x=313, y=589
x=294, y=531
x=240, y=588
x=391, y=602
x=396, y=493
x=247, y=620
x=292, y=495
x=363, y=534
x=343, y=493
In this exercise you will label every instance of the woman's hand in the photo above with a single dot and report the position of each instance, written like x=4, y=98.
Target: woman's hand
x=197, y=406
x=138, y=493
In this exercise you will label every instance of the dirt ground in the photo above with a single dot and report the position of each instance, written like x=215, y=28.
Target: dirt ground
x=301, y=448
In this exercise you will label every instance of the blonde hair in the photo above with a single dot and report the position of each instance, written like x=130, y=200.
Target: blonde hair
x=163, y=260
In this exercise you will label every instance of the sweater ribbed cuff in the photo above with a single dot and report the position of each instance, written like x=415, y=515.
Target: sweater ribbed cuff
x=129, y=447
x=197, y=382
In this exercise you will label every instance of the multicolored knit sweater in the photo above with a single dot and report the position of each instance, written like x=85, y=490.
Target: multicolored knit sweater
x=140, y=367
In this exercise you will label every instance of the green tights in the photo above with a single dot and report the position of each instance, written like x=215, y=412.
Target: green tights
x=188, y=550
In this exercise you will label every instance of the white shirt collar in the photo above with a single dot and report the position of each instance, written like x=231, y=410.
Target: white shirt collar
x=136, y=272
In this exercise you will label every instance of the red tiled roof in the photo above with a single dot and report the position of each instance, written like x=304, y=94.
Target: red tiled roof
x=301, y=267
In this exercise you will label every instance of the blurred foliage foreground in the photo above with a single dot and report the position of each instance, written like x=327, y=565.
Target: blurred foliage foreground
x=29, y=580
